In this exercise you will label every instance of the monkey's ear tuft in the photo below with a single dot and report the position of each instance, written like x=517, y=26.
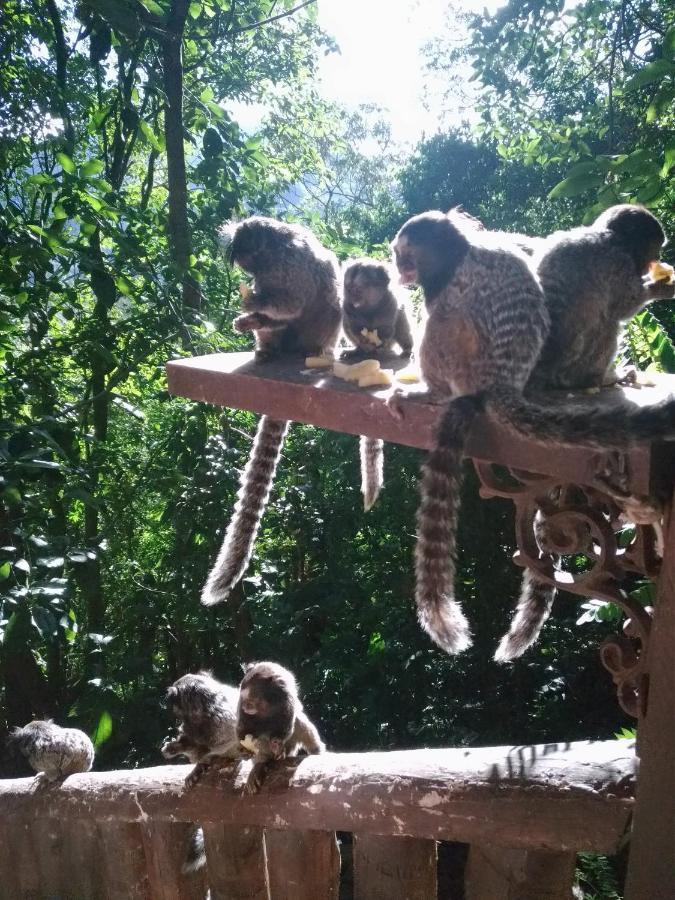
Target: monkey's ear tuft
x=225, y=234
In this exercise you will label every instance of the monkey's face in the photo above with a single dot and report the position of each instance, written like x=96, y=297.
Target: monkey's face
x=427, y=250
x=365, y=284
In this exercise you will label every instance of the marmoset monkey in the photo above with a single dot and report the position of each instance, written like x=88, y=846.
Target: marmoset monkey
x=375, y=317
x=53, y=751
x=487, y=323
x=293, y=308
x=271, y=721
x=594, y=279
x=207, y=713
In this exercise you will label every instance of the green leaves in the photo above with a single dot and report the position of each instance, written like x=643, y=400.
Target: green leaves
x=653, y=71
x=66, y=163
x=103, y=730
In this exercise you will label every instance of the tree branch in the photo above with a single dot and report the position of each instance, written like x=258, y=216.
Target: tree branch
x=272, y=18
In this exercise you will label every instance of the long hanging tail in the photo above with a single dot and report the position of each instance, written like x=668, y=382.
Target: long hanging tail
x=600, y=428
x=372, y=469
x=439, y=613
x=196, y=854
x=534, y=608
x=256, y=483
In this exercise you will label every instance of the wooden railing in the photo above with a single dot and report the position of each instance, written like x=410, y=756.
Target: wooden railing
x=525, y=811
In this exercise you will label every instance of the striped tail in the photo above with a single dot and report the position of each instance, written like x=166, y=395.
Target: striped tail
x=600, y=428
x=256, y=483
x=372, y=469
x=439, y=613
x=196, y=854
x=534, y=608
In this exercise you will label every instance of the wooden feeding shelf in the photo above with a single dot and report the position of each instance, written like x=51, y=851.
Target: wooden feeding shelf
x=284, y=389
x=571, y=486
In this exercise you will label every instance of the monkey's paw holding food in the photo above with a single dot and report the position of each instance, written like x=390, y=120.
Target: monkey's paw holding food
x=249, y=743
x=661, y=271
x=372, y=337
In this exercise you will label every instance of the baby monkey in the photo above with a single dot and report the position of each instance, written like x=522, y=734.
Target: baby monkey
x=53, y=752
x=375, y=317
x=375, y=314
x=271, y=722
x=207, y=712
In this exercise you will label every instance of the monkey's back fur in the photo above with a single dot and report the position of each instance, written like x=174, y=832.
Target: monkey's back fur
x=56, y=752
x=207, y=714
x=294, y=308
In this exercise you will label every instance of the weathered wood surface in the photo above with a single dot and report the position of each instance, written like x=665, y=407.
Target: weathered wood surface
x=496, y=873
x=552, y=796
x=236, y=862
x=394, y=868
x=302, y=865
x=651, y=868
x=166, y=846
x=285, y=390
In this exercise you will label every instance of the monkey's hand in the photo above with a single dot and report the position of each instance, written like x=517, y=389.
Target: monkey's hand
x=196, y=774
x=256, y=778
x=660, y=290
x=169, y=749
x=396, y=405
x=249, y=322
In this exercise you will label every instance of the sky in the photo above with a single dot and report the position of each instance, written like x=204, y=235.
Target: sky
x=379, y=60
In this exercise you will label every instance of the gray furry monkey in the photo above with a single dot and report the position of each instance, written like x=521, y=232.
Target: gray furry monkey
x=293, y=308
x=53, y=751
x=372, y=303
x=207, y=713
x=594, y=280
x=487, y=323
x=271, y=720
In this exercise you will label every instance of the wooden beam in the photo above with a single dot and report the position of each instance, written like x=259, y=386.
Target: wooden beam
x=651, y=866
x=236, y=862
x=285, y=390
x=556, y=796
x=394, y=868
x=166, y=847
x=302, y=865
x=501, y=874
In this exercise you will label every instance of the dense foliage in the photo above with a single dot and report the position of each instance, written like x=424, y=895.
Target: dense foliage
x=120, y=153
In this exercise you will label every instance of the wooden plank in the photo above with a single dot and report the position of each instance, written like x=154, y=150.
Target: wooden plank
x=651, y=866
x=554, y=796
x=281, y=390
x=497, y=873
x=82, y=859
x=166, y=847
x=302, y=865
x=124, y=868
x=19, y=873
x=236, y=862
x=394, y=868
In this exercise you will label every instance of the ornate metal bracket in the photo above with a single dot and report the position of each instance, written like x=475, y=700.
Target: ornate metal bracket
x=555, y=519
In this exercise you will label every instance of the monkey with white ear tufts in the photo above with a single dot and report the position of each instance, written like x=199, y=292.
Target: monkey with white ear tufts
x=375, y=318
x=53, y=752
x=293, y=309
x=487, y=324
x=207, y=713
x=271, y=721
x=594, y=279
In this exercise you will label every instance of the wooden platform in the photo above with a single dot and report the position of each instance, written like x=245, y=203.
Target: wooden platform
x=286, y=390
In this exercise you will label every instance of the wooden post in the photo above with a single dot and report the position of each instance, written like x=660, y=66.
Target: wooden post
x=497, y=873
x=394, y=868
x=237, y=867
x=651, y=865
x=302, y=865
x=125, y=873
x=166, y=846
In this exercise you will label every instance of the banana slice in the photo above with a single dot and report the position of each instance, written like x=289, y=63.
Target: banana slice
x=356, y=371
x=249, y=743
x=661, y=271
x=319, y=362
x=383, y=377
x=409, y=375
x=371, y=336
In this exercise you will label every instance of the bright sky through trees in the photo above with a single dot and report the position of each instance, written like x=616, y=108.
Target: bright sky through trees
x=379, y=60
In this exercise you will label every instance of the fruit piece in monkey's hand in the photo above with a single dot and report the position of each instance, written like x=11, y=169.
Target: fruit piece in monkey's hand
x=249, y=743
x=245, y=291
x=371, y=336
x=660, y=271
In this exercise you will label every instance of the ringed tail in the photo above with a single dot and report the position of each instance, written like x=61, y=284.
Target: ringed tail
x=599, y=428
x=372, y=469
x=254, y=490
x=439, y=613
x=533, y=609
